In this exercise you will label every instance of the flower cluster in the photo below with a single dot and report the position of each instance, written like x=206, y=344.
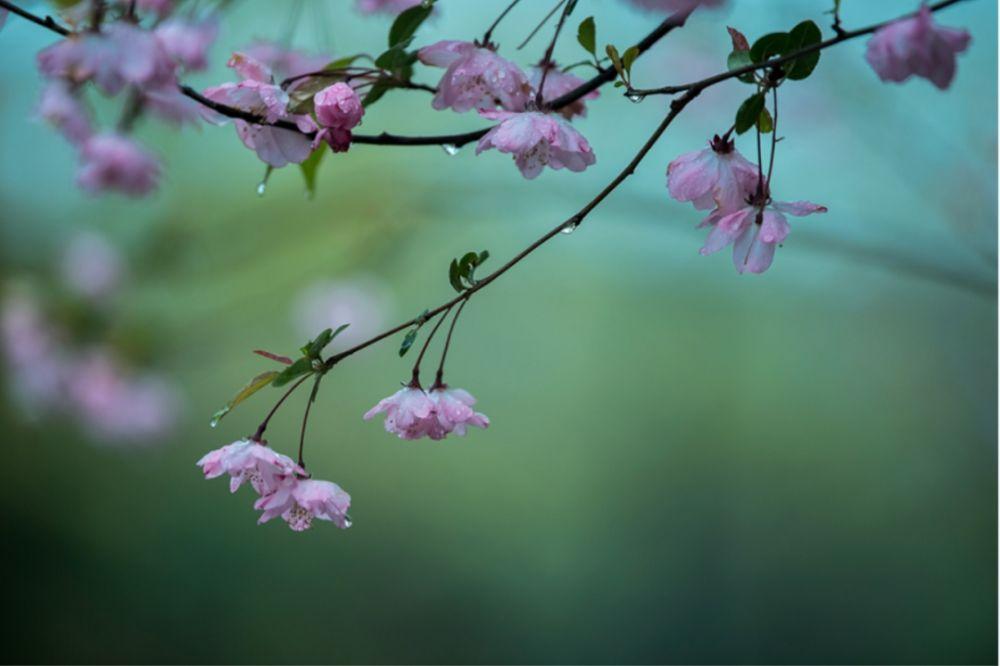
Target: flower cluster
x=412, y=413
x=283, y=487
x=742, y=212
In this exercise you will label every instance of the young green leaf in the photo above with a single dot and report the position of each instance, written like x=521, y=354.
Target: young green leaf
x=769, y=45
x=764, y=121
x=408, y=340
x=616, y=59
x=455, y=276
x=379, y=88
x=631, y=53
x=803, y=35
x=254, y=385
x=300, y=367
x=586, y=34
x=739, y=60
x=406, y=24
x=309, y=167
x=749, y=112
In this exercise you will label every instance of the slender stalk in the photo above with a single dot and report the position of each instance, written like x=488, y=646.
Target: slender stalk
x=415, y=379
x=305, y=420
x=542, y=23
x=439, y=377
x=267, y=419
x=774, y=139
x=546, y=62
x=489, y=30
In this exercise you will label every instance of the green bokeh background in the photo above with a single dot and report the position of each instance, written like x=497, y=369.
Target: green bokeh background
x=684, y=464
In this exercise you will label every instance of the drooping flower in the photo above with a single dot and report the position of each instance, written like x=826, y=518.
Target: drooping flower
x=299, y=501
x=453, y=410
x=249, y=461
x=385, y=6
x=186, y=42
x=917, y=46
x=409, y=414
x=124, y=54
x=537, y=140
x=557, y=84
x=718, y=176
x=754, y=231
x=338, y=110
x=475, y=77
x=258, y=94
x=63, y=109
x=112, y=162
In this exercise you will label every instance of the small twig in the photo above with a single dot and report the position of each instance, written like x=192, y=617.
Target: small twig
x=539, y=26
x=489, y=31
x=546, y=62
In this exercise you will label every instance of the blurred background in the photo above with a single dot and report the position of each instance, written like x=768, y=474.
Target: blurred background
x=684, y=464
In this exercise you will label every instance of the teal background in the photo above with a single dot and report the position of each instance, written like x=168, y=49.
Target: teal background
x=684, y=464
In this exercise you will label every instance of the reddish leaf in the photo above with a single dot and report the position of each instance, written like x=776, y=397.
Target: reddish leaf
x=740, y=42
x=273, y=357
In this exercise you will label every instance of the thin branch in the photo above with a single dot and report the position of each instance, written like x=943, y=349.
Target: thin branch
x=45, y=22
x=539, y=26
x=489, y=30
x=546, y=61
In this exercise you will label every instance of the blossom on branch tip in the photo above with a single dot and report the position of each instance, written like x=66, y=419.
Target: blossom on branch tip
x=112, y=162
x=475, y=77
x=249, y=461
x=409, y=413
x=537, y=140
x=754, y=232
x=299, y=501
x=453, y=410
x=559, y=83
x=718, y=176
x=917, y=46
x=186, y=42
x=338, y=110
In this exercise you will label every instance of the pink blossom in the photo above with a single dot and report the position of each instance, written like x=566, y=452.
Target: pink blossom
x=159, y=7
x=63, y=109
x=718, y=176
x=186, y=42
x=475, y=78
x=409, y=414
x=675, y=6
x=338, y=109
x=122, y=55
x=170, y=105
x=115, y=162
x=91, y=266
x=250, y=461
x=559, y=83
x=33, y=353
x=537, y=140
x=299, y=501
x=257, y=94
x=385, y=6
x=917, y=46
x=453, y=410
x=754, y=232
x=285, y=62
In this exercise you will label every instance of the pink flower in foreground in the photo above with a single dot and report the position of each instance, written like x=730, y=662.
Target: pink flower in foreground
x=475, y=78
x=114, y=162
x=557, y=84
x=385, y=6
x=754, y=233
x=124, y=54
x=409, y=413
x=338, y=110
x=537, y=140
x=919, y=46
x=453, y=410
x=248, y=461
x=299, y=501
x=717, y=176
x=60, y=107
x=258, y=94
x=187, y=43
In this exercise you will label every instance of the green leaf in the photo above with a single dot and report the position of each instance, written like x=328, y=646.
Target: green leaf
x=803, y=35
x=341, y=63
x=616, y=59
x=749, y=112
x=455, y=276
x=768, y=46
x=314, y=348
x=411, y=337
x=254, y=385
x=406, y=23
x=739, y=60
x=764, y=121
x=467, y=263
x=586, y=34
x=297, y=369
x=396, y=58
x=483, y=256
x=631, y=53
x=379, y=88
x=309, y=168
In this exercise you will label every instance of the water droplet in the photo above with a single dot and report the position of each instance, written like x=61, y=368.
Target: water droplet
x=213, y=423
x=569, y=228
x=347, y=522
x=261, y=188
x=634, y=98
x=450, y=148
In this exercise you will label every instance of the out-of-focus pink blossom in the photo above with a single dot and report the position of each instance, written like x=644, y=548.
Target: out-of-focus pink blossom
x=186, y=42
x=754, y=233
x=33, y=354
x=112, y=162
x=718, y=176
x=249, y=461
x=475, y=78
x=299, y=501
x=170, y=105
x=63, y=109
x=917, y=46
x=91, y=266
x=285, y=62
x=361, y=301
x=453, y=410
x=537, y=140
x=675, y=6
x=557, y=84
x=385, y=6
x=124, y=54
x=258, y=94
x=159, y=7
x=409, y=414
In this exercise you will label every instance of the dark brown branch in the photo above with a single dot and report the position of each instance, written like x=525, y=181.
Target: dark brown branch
x=45, y=22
